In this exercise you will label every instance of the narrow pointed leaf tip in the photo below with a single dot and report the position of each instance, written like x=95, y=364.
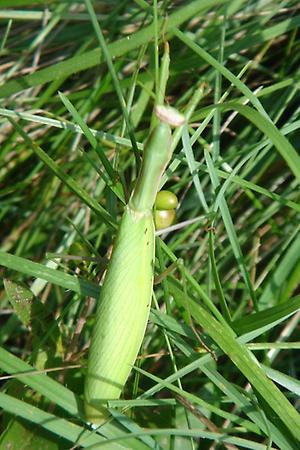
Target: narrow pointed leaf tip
x=169, y=115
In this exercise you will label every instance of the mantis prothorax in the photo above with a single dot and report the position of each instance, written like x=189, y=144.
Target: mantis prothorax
x=125, y=298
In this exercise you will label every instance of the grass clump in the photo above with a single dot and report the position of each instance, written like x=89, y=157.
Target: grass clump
x=218, y=367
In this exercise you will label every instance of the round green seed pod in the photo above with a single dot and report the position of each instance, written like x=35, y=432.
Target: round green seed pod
x=164, y=219
x=166, y=200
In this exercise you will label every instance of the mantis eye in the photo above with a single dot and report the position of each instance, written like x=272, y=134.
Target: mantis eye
x=166, y=200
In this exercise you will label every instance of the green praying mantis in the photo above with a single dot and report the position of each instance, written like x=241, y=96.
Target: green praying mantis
x=125, y=299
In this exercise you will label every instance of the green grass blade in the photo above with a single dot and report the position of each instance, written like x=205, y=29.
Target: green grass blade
x=94, y=57
x=109, y=62
x=55, y=424
x=230, y=391
x=249, y=366
x=222, y=69
x=268, y=317
x=232, y=235
x=280, y=142
x=109, y=175
x=47, y=386
x=33, y=269
x=67, y=126
x=283, y=380
x=61, y=396
x=192, y=166
x=282, y=272
x=65, y=178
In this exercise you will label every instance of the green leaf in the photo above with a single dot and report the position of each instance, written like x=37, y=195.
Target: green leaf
x=50, y=422
x=282, y=272
x=72, y=282
x=62, y=397
x=21, y=299
x=284, y=380
x=21, y=435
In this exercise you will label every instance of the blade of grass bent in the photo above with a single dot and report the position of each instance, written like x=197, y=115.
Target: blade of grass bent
x=222, y=69
x=117, y=48
x=246, y=362
x=109, y=62
x=33, y=269
x=220, y=438
x=280, y=142
x=65, y=178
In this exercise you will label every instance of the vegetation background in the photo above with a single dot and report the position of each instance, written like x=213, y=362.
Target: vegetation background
x=218, y=367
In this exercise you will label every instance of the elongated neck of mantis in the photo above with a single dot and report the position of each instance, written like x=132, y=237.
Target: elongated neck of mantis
x=157, y=154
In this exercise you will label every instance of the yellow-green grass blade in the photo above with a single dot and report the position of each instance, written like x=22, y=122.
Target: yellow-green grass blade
x=62, y=397
x=64, y=177
x=57, y=277
x=248, y=365
x=280, y=142
x=55, y=424
x=118, y=48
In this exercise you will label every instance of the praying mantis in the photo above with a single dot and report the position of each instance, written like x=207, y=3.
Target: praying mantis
x=125, y=299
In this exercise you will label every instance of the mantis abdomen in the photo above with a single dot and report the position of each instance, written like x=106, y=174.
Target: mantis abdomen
x=122, y=314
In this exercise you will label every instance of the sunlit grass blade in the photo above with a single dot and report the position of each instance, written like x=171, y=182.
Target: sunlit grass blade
x=94, y=57
x=55, y=424
x=232, y=235
x=249, y=366
x=59, y=278
x=280, y=142
x=222, y=69
x=65, y=178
